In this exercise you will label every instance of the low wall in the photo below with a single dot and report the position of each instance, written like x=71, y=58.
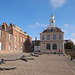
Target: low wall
x=8, y=52
x=67, y=51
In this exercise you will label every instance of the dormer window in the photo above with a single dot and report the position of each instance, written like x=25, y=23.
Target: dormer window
x=48, y=30
x=54, y=29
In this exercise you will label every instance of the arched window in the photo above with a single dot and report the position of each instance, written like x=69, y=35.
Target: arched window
x=54, y=46
x=48, y=46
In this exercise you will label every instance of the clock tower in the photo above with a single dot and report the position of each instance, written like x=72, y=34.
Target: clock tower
x=52, y=38
x=52, y=22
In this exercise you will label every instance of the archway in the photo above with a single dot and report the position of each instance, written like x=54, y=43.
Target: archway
x=48, y=46
x=54, y=46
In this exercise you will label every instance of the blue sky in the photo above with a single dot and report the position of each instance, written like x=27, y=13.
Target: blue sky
x=33, y=15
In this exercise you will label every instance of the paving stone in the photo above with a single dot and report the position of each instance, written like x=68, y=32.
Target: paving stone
x=45, y=64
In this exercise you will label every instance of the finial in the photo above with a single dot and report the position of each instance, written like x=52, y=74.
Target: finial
x=52, y=13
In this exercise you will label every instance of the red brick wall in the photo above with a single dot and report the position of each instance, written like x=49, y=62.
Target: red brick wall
x=9, y=42
x=26, y=46
x=19, y=43
x=5, y=40
x=16, y=34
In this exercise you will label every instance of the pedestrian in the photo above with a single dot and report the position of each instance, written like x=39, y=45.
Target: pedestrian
x=59, y=51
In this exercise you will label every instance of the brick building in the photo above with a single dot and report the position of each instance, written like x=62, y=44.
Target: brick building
x=13, y=38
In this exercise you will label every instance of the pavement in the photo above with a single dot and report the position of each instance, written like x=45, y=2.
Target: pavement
x=45, y=64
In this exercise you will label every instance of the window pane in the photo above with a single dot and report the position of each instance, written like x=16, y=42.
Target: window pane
x=42, y=37
x=54, y=29
x=59, y=36
x=48, y=30
x=48, y=37
x=54, y=46
x=21, y=39
x=54, y=36
x=48, y=46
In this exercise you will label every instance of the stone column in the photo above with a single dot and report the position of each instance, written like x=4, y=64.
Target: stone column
x=51, y=46
x=44, y=47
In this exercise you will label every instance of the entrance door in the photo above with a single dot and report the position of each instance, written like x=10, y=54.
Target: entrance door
x=0, y=46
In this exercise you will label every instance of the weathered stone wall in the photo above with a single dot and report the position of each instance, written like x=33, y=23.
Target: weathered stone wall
x=57, y=41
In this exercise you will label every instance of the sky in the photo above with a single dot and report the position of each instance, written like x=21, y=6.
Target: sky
x=33, y=16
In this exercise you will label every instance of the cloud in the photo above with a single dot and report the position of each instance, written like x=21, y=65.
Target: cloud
x=57, y=3
x=37, y=24
x=73, y=41
x=66, y=25
x=73, y=34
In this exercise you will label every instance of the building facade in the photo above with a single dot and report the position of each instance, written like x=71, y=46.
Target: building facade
x=13, y=38
x=52, y=38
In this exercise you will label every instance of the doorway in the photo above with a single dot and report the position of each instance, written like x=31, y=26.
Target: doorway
x=0, y=46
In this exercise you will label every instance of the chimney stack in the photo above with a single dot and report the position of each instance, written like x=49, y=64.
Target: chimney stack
x=4, y=26
x=11, y=24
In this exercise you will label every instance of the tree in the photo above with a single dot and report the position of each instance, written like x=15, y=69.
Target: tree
x=69, y=45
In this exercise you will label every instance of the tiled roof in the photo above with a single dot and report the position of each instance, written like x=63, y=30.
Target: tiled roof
x=51, y=30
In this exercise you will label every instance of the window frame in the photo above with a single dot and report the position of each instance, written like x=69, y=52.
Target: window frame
x=54, y=29
x=48, y=46
x=42, y=37
x=21, y=39
x=48, y=30
x=59, y=36
x=54, y=37
x=48, y=37
x=53, y=46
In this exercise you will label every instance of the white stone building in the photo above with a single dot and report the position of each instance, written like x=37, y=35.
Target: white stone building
x=36, y=48
x=52, y=38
